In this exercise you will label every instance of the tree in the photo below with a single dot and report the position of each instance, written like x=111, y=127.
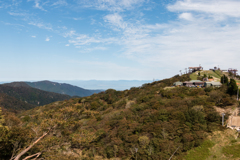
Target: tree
x=1, y=118
x=224, y=79
x=232, y=87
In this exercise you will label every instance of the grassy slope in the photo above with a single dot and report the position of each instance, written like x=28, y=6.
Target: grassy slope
x=220, y=145
x=216, y=74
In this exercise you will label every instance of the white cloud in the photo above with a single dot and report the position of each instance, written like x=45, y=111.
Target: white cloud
x=67, y=45
x=60, y=3
x=77, y=19
x=17, y=14
x=200, y=41
x=116, y=20
x=69, y=34
x=47, y=39
x=81, y=40
x=41, y=25
x=186, y=16
x=99, y=48
x=33, y=36
x=112, y=5
x=37, y=5
x=215, y=7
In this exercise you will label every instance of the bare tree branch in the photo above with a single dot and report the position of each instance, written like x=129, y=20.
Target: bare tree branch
x=28, y=148
x=37, y=155
x=16, y=148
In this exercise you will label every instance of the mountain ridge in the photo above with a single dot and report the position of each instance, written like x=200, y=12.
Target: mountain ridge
x=62, y=88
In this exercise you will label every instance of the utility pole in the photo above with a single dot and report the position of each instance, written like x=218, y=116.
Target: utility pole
x=223, y=78
x=136, y=150
x=237, y=93
x=223, y=114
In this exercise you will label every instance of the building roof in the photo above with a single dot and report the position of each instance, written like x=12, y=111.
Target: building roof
x=214, y=83
x=194, y=67
x=187, y=82
x=177, y=83
x=196, y=81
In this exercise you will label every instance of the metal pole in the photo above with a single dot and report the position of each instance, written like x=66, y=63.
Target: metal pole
x=174, y=153
x=223, y=119
x=136, y=150
x=237, y=93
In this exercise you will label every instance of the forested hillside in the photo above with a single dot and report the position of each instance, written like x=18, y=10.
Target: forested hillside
x=29, y=95
x=13, y=104
x=149, y=122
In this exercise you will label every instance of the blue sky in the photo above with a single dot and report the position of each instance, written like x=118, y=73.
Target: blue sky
x=115, y=39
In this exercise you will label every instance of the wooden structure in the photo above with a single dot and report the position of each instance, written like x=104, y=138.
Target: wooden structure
x=233, y=71
x=194, y=69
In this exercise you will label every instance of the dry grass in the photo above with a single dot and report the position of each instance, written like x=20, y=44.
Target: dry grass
x=221, y=139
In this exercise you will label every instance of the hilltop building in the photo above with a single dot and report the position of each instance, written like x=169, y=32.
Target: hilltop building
x=197, y=83
x=233, y=71
x=215, y=68
x=193, y=83
x=212, y=84
x=206, y=79
x=194, y=69
x=177, y=84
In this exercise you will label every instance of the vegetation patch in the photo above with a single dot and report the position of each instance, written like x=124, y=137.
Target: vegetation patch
x=232, y=151
x=201, y=152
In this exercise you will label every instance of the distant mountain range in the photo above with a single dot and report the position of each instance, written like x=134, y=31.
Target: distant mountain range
x=27, y=95
x=62, y=88
x=106, y=84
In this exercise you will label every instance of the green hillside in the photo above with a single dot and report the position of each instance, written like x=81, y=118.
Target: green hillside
x=215, y=74
x=151, y=120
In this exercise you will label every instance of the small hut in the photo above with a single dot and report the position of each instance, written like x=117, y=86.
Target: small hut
x=177, y=83
x=212, y=84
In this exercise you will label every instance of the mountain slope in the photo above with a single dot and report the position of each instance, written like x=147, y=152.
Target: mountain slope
x=11, y=103
x=154, y=120
x=27, y=94
x=62, y=88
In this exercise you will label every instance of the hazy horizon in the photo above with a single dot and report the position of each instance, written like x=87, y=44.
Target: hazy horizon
x=99, y=84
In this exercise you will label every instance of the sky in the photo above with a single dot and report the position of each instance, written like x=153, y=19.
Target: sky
x=115, y=39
